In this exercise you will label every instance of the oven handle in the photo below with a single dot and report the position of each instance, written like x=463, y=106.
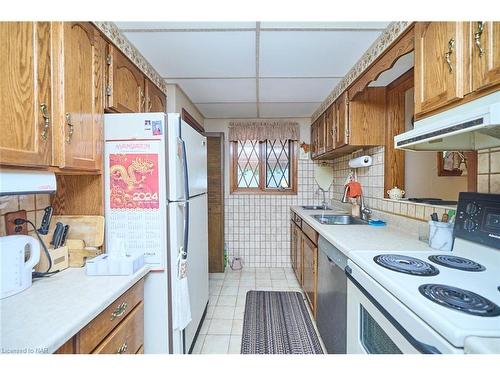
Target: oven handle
x=420, y=346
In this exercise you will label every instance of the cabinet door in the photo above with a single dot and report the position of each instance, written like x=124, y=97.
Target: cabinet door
x=485, y=58
x=330, y=128
x=25, y=93
x=125, y=90
x=80, y=95
x=321, y=134
x=155, y=98
x=309, y=271
x=440, y=64
x=314, y=139
x=342, y=121
x=367, y=117
x=296, y=251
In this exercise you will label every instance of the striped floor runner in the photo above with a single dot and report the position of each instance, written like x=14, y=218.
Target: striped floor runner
x=278, y=323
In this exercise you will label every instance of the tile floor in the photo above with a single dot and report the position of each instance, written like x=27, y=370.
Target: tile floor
x=222, y=329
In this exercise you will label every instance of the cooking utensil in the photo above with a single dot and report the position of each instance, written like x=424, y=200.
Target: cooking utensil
x=64, y=235
x=47, y=216
x=434, y=217
x=56, y=237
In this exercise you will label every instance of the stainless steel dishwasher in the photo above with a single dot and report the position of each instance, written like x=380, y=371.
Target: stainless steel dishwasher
x=331, y=314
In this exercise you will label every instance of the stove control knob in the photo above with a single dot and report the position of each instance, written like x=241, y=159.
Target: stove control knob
x=471, y=208
x=469, y=225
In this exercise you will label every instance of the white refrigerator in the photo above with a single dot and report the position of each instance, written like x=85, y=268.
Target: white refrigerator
x=156, y=203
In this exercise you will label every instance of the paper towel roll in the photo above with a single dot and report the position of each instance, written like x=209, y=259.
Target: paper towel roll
x=362, y=161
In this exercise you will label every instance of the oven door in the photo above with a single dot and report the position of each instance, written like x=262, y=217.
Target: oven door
x=377, y=323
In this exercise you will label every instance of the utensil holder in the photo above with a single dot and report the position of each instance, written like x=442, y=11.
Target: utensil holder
x=59, y=257
x=440, y=235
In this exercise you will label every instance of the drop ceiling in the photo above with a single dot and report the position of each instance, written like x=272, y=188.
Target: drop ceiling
x=253, y=69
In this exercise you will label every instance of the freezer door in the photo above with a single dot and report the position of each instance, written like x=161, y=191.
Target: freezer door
x=130, y=126
x=176, y=155
x=196, y=151
x=197, y=263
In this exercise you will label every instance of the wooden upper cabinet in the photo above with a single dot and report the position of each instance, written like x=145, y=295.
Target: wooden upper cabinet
x=25, y=93
x=367, y=116
x=125, y=86
x=314, y=139
x=341, y=121
x=330, y=128
x=79, y=68
x=321, y=135
x=485, y=54
x=156, y=100
x=441, y=67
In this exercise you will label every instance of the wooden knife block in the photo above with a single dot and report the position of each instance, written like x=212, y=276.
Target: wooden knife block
x=85, y=236
x=60, y=260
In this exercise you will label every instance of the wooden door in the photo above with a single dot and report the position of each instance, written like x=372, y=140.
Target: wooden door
x=440, y=64
x=215, y=175
x=309, y=271
x=125, y=89
x=321, y=134
x=79, y=68
x=297, y=238
x=367, y=117
x=314, y=139
x=342, y=121
x=330, y=128
x=485, y=57
x=156, y=100
x=25, y=93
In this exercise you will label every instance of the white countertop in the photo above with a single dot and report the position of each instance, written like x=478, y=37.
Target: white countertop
x=43, y=317
x=348, y=238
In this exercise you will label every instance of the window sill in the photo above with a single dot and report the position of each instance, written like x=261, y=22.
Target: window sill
x=263, y=192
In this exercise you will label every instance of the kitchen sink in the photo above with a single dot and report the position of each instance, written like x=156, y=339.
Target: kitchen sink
x=316, y=208
x=339, y=220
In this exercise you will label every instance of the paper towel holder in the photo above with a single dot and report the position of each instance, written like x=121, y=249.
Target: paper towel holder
x=361, y=162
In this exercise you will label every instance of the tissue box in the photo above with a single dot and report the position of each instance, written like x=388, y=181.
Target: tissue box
x=107, y=265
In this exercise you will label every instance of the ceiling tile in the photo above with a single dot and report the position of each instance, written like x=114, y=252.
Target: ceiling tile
x=312, y=53
x=325, y=25
x=402, y=65
x=228, y=110
x=183, y=25
x=287, y=109
x=218, y=90
x=195, y=54
x=295, y=89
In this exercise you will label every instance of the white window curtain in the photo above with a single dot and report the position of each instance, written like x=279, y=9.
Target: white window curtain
x=263, y=130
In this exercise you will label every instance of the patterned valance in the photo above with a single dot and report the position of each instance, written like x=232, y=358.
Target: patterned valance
x=263, y=130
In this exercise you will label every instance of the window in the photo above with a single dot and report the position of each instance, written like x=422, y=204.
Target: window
x=263, y=167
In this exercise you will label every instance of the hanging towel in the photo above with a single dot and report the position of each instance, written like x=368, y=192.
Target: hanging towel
x=182, y=306
x=353, y=189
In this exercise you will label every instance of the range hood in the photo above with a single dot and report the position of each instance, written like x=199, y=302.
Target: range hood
x=468, y=127
x=19, y=182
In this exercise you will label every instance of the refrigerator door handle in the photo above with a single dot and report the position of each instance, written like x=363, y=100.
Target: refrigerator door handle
x=183, y=156
x=184, y=249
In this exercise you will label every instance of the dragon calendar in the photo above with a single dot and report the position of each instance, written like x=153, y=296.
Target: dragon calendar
x=135, y=198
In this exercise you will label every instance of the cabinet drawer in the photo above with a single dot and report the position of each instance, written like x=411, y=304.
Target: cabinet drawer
x=128, y=337
x=310, y=232
x=297, y=219
x=94, y=332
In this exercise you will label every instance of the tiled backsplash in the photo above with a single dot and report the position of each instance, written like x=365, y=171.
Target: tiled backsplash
x=372, y=182
x=488, y=171
x=32, y=203
x=257, y=227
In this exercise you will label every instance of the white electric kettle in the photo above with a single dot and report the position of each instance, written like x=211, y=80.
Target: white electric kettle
x=18, y=255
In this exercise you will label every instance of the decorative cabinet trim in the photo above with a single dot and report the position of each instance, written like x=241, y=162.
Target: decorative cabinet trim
x=123, y=44
x=390, y=34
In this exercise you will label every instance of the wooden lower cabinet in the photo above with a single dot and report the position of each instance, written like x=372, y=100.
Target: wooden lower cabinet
x=304, y=258
x=119, y=329
x=310, y=271
x=296, y=250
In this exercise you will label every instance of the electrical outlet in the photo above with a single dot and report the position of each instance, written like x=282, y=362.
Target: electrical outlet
x=10, y=227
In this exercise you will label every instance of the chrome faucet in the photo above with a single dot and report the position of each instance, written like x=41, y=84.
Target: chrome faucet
x=365, y=212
